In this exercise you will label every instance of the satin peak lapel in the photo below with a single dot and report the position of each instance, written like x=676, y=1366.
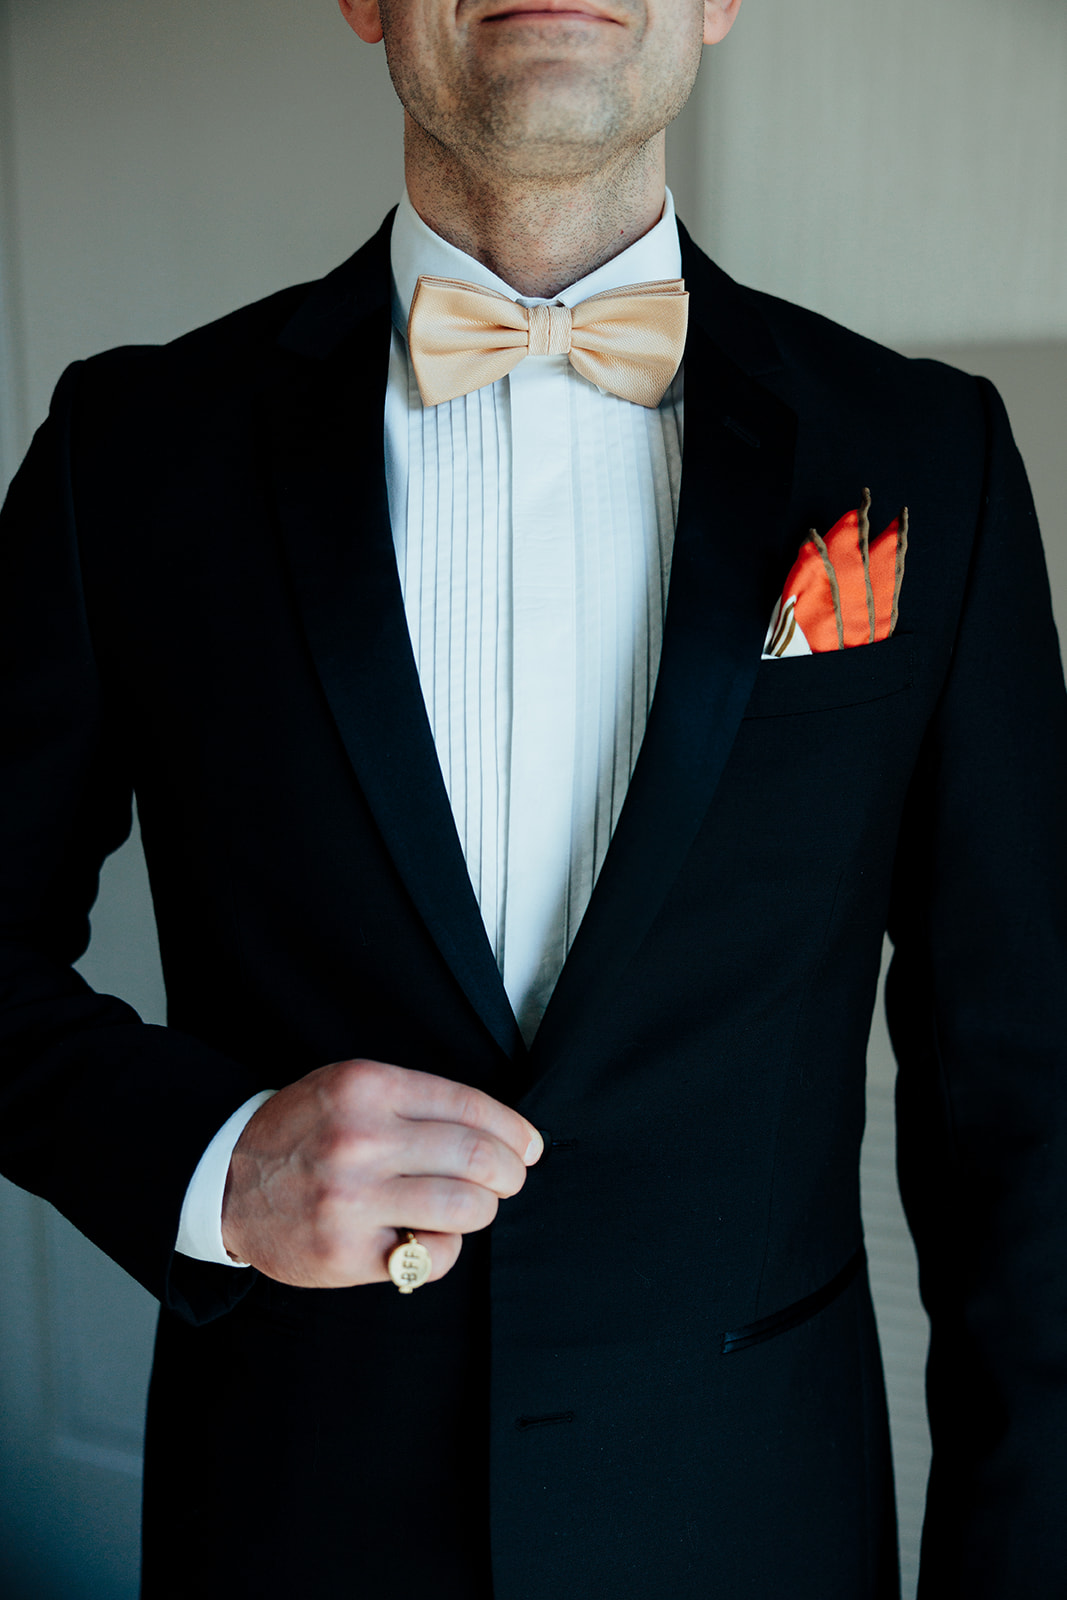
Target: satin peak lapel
x=737, y=468
x=326, y=406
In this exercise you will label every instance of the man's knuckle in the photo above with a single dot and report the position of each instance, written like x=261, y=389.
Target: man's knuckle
x=470, y=1109
x=481, y=1157
x=462, y=1207
x=362, y=1083
x=352, y=1148
x=455, y=1207
x=354, y=1080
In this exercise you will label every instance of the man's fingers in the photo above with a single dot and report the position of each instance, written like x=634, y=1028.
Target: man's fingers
x=439, y=1205
x=358, y=1151
x=450, y=1150
x=424, y=1097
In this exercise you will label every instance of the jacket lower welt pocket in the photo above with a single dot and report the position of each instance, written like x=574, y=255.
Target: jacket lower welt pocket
x=799, y=1312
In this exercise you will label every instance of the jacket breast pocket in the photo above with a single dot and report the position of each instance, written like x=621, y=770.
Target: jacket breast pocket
x=798, y=684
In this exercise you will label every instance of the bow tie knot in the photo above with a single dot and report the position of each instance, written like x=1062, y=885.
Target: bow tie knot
x=628, y=341
x=549, y=330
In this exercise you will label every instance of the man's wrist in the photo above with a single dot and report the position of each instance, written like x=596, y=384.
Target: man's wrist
x=200, y=1227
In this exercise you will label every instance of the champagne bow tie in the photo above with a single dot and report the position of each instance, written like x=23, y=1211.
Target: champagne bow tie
x=627, y=340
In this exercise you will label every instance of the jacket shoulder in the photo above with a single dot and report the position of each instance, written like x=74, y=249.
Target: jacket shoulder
x=820, y=367
x=311, y=317
x=836, y=361
x=228, y=341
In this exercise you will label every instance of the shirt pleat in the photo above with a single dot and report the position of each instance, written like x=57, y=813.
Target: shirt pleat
x=533, y=522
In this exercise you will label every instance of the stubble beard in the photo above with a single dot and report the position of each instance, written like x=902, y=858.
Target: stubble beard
x=548, y=120
x=530, y=131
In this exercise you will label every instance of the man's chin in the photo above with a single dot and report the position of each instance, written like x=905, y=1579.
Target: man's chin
x=550, y=105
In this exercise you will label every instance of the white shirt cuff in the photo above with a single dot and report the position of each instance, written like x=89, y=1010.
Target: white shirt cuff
x=200, y=1228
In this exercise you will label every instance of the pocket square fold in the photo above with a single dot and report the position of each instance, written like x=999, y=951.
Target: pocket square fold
x=843, y=590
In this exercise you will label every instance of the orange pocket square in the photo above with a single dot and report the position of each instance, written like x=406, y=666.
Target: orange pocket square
x=843, y=590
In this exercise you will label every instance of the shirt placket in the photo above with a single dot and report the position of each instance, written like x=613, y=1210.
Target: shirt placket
x=544, y=678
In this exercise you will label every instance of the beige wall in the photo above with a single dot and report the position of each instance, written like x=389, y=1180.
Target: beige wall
x=170, y=162
x=900, y=167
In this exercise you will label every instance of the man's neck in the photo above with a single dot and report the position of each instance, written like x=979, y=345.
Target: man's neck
x=538, y=234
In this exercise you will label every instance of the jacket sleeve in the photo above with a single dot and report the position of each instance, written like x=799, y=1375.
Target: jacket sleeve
x=104, y=1116
x=976, y=1007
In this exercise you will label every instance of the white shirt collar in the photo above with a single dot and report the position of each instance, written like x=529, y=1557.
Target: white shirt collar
x=415, y=249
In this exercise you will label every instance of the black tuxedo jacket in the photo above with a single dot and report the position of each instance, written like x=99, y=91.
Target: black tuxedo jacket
x=657, y=1375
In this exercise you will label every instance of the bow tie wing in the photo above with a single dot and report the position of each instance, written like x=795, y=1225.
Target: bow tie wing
x=628, y=341
x=462, y=337
x=631, y=340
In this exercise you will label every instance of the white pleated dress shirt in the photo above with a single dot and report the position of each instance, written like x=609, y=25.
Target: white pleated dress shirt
x=533, y=522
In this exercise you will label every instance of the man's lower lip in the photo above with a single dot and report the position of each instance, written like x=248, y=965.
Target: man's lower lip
x=545, y=16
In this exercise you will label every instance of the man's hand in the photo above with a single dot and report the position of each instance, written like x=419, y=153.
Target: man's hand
x=330, y=1167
